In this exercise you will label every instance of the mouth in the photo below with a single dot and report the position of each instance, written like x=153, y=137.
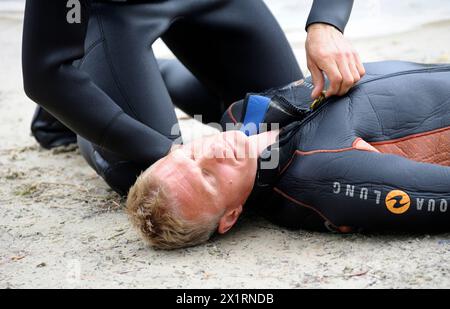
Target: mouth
x=233, y=149
x=240, y=148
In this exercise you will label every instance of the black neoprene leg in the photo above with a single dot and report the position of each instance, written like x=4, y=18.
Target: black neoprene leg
x=50, y=132
x=188, y=93
x=119, y=59
x=235, y=49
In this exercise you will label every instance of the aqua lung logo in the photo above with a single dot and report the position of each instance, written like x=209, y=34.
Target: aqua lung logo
x=74, y=12
x=396, y=201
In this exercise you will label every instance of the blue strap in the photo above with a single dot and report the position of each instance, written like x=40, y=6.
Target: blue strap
x=256, y=110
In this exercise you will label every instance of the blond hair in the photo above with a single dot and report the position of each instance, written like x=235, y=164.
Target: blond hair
x=156, y=216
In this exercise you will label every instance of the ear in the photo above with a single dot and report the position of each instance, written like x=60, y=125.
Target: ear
x=229, y=219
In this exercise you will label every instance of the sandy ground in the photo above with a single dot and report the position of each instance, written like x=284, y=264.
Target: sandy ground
x=61, y=227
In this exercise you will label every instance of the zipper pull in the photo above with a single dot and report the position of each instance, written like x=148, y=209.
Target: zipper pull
x=317, y=102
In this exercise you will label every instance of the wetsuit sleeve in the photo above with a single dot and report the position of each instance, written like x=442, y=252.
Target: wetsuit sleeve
x=332, y=12
x=375, y=192
x=50, y=45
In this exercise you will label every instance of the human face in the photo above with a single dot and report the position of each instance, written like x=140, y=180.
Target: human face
x=210, y=176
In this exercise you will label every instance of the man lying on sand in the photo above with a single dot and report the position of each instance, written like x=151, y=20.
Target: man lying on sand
x=91, y=69
x=376, y=159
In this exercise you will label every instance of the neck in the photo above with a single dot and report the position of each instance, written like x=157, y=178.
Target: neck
x=258, y=143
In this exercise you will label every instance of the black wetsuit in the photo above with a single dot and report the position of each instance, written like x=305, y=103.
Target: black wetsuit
x=322, y=179
x=100, y=78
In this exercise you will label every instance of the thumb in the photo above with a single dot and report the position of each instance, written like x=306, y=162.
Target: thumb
x=318, y=80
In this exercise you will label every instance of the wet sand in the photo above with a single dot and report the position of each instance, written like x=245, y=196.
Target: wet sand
x=61, y=227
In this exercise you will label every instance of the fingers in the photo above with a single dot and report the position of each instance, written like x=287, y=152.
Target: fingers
x=356, y=69
x=355, y=72
x=350, y=72
x=318, y=79
x=335, y=77
x=329, y=53
x=347, y=77
x=356, y=66
x=359, y=64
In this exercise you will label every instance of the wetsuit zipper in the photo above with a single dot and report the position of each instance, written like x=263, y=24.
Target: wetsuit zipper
x=312, y=113
x=291, y=108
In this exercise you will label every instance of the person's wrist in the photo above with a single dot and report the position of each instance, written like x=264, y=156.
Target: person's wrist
x=321, y=26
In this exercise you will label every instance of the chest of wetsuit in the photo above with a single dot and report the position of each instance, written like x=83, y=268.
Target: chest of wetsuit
x=377, y=159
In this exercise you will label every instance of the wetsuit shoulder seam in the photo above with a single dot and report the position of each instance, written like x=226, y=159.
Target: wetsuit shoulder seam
x=113, y=71
x=89, y=50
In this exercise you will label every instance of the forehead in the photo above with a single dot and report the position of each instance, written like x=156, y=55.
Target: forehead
x=174, y=167
x=182, y=178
